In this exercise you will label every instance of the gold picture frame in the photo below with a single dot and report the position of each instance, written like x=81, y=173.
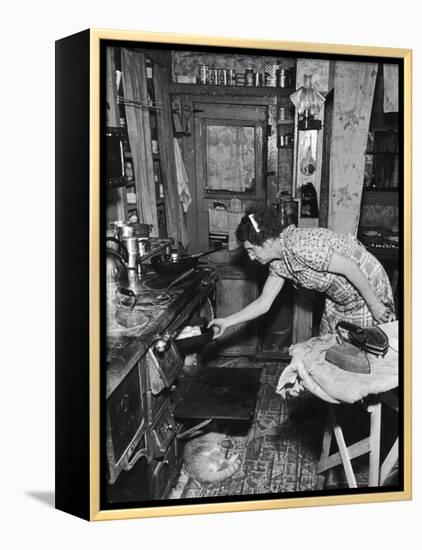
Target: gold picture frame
x=79, y=422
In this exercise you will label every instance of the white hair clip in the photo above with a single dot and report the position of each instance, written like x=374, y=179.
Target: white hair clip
x=254, y=223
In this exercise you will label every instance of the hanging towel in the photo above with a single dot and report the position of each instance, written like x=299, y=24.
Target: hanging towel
x=182, y=178
x=391, y=88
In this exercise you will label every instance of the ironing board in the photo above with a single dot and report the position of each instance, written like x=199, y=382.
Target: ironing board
x=308, y=370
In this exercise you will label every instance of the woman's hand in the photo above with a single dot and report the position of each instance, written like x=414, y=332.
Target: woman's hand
x=219, y=326
x=381, y=313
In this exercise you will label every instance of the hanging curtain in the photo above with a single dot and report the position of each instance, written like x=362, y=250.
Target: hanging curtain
x=117, y=205
x=138, y=127
x=176, y=225
x=230, y=159
x=391, y=88
x=354, y=85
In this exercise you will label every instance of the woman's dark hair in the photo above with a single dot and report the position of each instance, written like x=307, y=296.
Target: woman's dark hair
x=268, y=222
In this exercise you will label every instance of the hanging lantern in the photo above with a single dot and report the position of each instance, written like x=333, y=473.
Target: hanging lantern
x=308, y=102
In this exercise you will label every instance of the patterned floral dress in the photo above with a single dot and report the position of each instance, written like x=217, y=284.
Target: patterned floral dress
x=305, y=259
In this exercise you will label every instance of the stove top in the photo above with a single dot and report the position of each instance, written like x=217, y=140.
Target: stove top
x=135, y=308
x=151, y=279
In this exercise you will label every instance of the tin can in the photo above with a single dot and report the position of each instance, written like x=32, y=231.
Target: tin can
x=289, y=79
x=270, y=80
x=222, y=77
x=289, y=140
x=282, y=78
x=212, y=76
x=249, y=77
x=282, y=114
x=143, y=246
x=203, y=74
x=270, y=75
x=258, y=79
x=127, y=231
x=231, y=77
x=240, y=79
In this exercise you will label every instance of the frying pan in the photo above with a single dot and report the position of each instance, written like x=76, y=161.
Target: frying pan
x=187, y=345
x=174, y=264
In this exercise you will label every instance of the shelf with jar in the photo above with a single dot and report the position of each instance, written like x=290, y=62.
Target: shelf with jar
x=120, y=190
x=273, y=77
x=158, y=167
x=285, y=125
x=151, y=154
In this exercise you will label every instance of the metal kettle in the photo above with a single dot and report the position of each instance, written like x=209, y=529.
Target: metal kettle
x=116, y=271
x=122, y=263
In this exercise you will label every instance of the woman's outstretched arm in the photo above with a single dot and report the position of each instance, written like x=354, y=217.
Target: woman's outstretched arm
x=258, y=307
x=342, y=265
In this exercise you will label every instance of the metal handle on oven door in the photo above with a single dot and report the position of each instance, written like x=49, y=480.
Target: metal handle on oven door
x=131, y=463
x=128, y=464
x=163, y=343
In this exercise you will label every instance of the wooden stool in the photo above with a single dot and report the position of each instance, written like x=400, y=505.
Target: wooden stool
x=370, y=444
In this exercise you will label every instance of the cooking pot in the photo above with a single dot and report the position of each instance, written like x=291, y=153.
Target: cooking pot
x=128, y=229
x=141, y=229
x=175, y=264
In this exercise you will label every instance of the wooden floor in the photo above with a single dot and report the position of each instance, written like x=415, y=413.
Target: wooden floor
x=279, y=451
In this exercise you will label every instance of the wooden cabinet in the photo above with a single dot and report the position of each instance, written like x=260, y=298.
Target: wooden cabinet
x=236, y=288
x=269, y=336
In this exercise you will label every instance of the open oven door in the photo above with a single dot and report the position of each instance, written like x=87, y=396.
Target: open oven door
x=219, y=393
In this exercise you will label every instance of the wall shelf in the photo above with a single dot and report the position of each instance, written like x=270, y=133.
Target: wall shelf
x=382, y=153
x=206, y=89
x=380, y=190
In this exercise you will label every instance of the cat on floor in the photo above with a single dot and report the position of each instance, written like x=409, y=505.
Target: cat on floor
x=204, y=458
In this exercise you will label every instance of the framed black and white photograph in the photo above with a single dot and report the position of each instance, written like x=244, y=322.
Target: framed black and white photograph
x=238, y=331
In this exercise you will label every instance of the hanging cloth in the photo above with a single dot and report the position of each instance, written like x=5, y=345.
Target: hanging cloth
x=391, y=88
x=354, y=85
x=139, y=133
x=182, y=178
x=308, y=164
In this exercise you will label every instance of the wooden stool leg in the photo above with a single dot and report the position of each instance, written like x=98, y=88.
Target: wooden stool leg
x=389, y=462
x=374, y=444
x=345, y=458
x=325, y=451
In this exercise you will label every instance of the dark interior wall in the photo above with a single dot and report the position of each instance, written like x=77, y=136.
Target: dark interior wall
x=379, y=209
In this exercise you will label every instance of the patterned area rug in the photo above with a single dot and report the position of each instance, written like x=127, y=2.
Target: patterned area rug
x=277, y=454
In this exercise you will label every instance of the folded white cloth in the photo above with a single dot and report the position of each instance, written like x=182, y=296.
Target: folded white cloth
x=182, y=178
x=310, y=371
